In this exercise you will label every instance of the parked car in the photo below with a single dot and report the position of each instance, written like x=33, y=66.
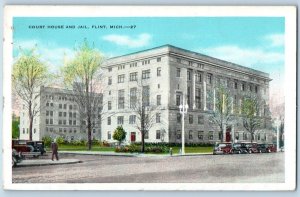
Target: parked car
x=222, y=148
x=38, y=146
x=239, y=148
x=263, y=148
x=29, y=148
x=251, y=147
x=16, y=157
x=272, y=148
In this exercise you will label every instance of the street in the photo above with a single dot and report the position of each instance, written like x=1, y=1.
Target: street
x=243, y=168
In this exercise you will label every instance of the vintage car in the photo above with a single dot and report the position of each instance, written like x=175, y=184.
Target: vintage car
x=239, y=148
x=263, y=148
x=16, y=157
x=272, y=148
x=251, y=147
x=222, y=148
x=28, y=148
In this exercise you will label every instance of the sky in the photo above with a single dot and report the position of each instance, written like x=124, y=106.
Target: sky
x=254, y=42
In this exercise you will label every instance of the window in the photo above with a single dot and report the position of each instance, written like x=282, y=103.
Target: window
x=75, y=130
x=235, y=85
x=34, y=130
x=146, y=95
x=178, y=135
x=74, y=115
x=133, y=97
x=198, y=77
x=158, y=100
x=200, y=119
x=158, y=115
x=120, y=67
x=60, y=122
x=132, y=119
x=178, y=60
x=70, y=122
x=198, y=98
x=178, y=117
x=47, y=104
x=256, y=89
x=51, y=104
x=74, y=122
x=47, y=121
x=51, y=129
x=159, y=71
x=190, y=63
x=211, y=135
x=110, y=69
x=146, y=74
x=60, y=106
x=191, y=119
x=157, y=134
x=65, y=106
x=250, y=88
x=190, y=134
x=94, y=130
x=47, y=113
x=178, y=72
x=109, y=105
x=121, y=99
x=200, y=135
x=189, y=75
x=209, y=78
x=51, y=121
x=121, y=78
x=120, y=120
x=178, y=99
x=108, y=135
x=133, y=76
x=70, y=130
x=158, y=86
x=133, y=65
x=70, y=107
x=65, y=122
x=145, y=62
x=109, y=80
x=146, y=134
x=243, y=87
x=189, y=96
x=65, y=114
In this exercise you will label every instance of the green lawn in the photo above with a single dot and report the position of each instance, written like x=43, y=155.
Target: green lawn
x=64, y=147
x=193, y=150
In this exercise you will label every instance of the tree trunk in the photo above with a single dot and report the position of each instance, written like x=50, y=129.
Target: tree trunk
x=30, y=121
x=143, y=141
x=89, y=134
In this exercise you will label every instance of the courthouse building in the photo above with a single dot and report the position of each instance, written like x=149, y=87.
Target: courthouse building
x=59, y=116
x=168, y=73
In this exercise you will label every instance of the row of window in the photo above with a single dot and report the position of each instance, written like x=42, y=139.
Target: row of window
x=200, y=119
x=135, y=64
x=132, y=119
x=60, y=97
x=61, y=114
x=158, y=135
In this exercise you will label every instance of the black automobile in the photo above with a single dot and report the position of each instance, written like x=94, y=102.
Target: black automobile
x=16, y=158
x=38, y=146
x=262, y=148
x=239, y=148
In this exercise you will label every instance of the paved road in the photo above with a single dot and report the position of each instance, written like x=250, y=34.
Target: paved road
x=245, y=168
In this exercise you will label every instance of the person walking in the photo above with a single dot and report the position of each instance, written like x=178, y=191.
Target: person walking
x=54, y=148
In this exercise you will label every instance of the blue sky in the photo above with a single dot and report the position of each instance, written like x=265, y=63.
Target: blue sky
x=255, y=42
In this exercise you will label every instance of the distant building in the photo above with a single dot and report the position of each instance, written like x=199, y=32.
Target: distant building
x=169, y=73
x=59, y=116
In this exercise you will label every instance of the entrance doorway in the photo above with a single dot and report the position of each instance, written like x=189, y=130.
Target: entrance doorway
x=228, y=134
x=132, y=136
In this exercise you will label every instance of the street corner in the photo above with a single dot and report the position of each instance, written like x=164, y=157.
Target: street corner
x=45, y=162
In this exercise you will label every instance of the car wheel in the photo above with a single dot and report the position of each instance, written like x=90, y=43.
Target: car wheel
x=13, y=163
x=269, y=151
x=250, y=151
x=239, y=152
x=259, y=151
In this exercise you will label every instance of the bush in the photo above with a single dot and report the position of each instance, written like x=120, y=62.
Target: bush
x=119, y=134
x=96, y=142
x=47, y=141
x=60, y=140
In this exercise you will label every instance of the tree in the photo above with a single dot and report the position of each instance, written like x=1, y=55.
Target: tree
x=15, y=126
x=221, y=111
x=250, y=114
x=119, y=134
x=29, y=74
x=84, y=75
x=146, y=112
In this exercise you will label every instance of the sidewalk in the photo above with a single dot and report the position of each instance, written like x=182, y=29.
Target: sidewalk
x=44, y=162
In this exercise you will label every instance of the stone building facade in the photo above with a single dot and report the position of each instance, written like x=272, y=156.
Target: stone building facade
x=59, y=116
x=170, y=73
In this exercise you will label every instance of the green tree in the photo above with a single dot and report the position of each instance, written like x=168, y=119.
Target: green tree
x=119, y=134
x=29, y=74
x=83, y=74
x=221, y=109
x=15, y=126
x=250, y=114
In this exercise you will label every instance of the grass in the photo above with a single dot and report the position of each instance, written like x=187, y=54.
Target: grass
x=193, y=150
x=65, y=147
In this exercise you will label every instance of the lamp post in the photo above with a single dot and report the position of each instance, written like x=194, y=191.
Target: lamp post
x=183, y=110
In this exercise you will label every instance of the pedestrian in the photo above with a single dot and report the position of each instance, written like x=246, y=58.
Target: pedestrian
x=54, y=148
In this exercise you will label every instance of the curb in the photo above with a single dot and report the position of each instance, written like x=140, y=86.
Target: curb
x=98, y=153
x=26, y=163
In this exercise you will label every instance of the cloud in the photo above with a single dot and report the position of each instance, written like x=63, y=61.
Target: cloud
x=257, y=58
x=49, y=52
x=275, y=40
x=132, y=42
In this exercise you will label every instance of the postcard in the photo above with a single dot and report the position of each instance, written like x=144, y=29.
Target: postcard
x=149, y=98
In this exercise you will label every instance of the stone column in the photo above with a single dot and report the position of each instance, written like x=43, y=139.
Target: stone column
x=204, y=99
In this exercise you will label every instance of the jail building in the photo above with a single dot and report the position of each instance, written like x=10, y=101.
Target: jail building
x=167, y=74
x=59, y=115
